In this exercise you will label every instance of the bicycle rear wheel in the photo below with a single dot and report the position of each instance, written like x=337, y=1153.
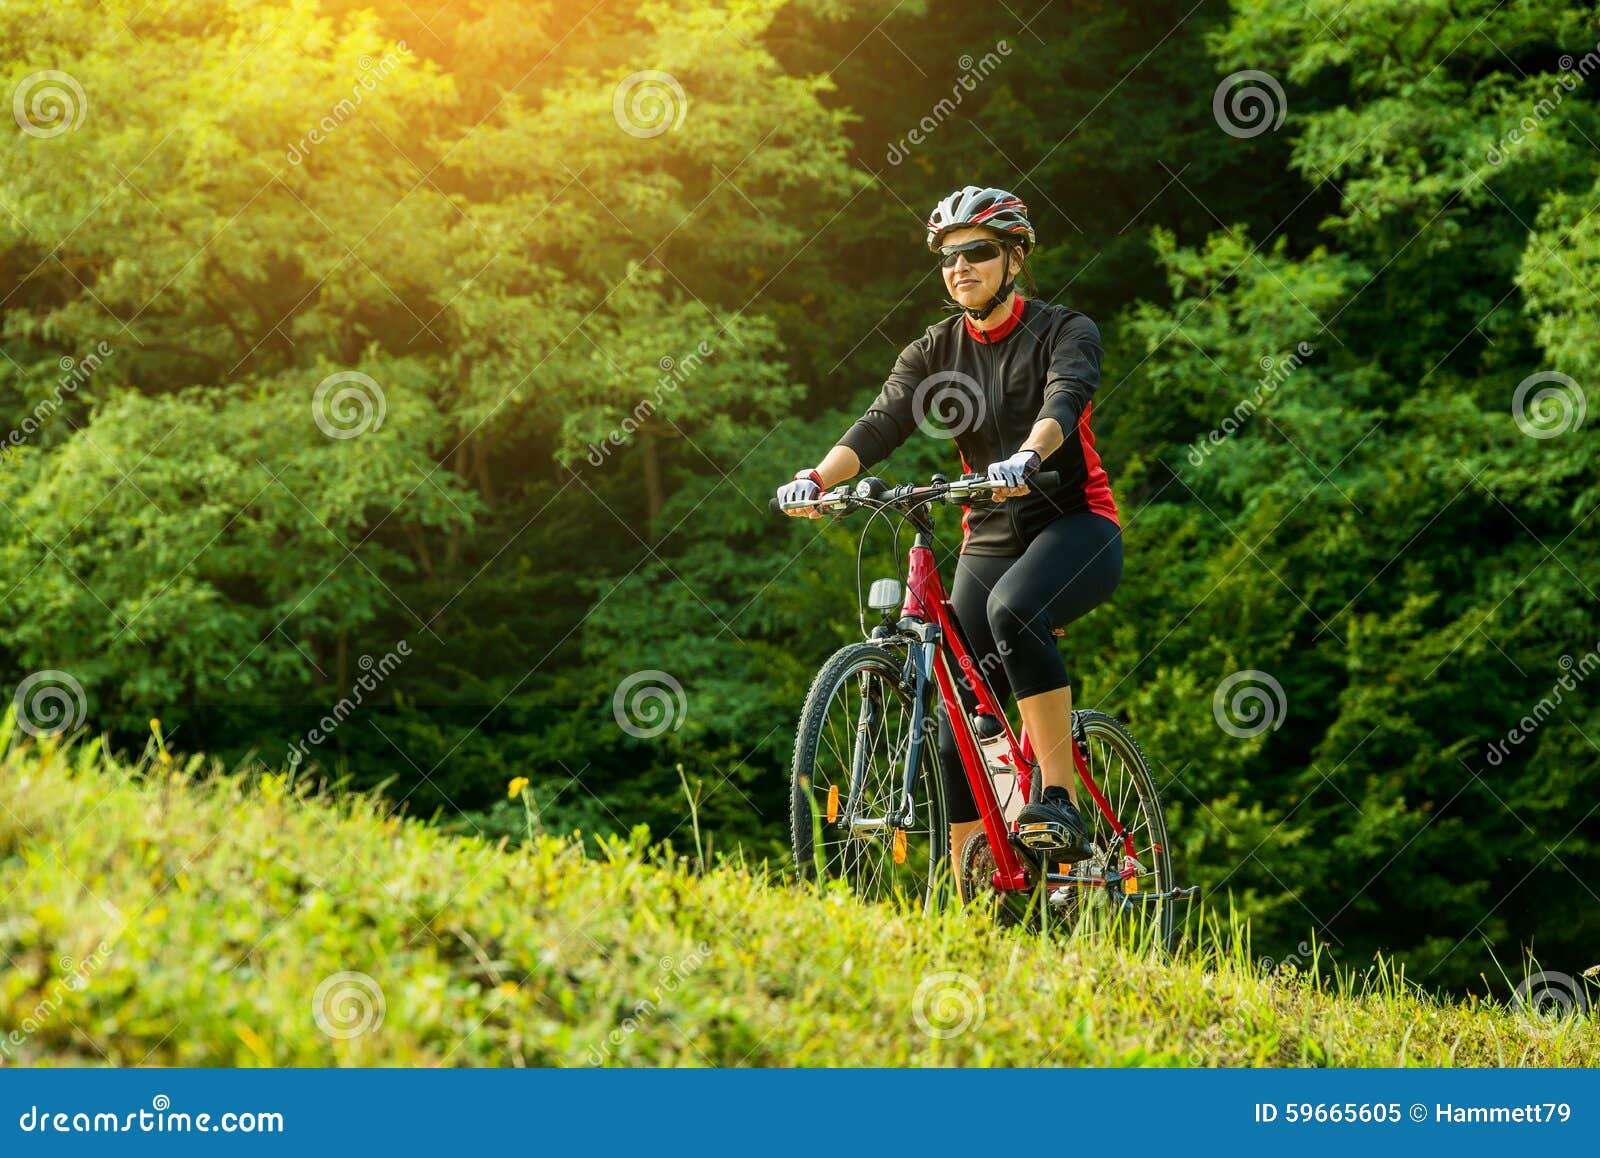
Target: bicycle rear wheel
x=1137, y=902
x=847, y=817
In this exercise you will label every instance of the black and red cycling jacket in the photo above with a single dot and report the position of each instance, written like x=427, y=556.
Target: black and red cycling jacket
x=1041, y=362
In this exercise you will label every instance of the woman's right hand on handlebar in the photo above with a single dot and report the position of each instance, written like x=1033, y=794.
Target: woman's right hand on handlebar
x=807, y=485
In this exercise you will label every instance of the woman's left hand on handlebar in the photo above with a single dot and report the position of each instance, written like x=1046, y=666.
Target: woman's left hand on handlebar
x=1013, y=473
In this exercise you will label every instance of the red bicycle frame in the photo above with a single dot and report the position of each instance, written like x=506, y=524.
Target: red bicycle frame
x=925, y=600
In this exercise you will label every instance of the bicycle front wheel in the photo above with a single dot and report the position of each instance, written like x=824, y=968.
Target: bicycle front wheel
x=849, y=816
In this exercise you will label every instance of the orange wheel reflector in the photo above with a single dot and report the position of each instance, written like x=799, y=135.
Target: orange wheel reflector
x=1131, y=885
x=1064, y=869
x=833, y=803
x=899, y=846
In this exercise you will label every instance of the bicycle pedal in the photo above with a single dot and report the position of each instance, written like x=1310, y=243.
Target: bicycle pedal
x=1053, y=841
x=1045, y=835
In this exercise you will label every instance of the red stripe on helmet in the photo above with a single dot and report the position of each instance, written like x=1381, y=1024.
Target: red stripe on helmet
x=1011, y=203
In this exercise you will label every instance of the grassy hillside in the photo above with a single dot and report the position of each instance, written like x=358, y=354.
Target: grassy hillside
x=177, y=915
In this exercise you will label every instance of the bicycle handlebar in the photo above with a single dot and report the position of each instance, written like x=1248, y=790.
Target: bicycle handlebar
x=844, y=497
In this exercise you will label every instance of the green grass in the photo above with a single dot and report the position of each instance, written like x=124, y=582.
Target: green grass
x=183, y=916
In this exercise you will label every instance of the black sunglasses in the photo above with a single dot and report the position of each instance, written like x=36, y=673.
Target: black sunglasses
x=977, y=252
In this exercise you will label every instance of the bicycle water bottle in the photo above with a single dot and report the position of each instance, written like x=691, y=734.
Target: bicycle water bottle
x=996, y=749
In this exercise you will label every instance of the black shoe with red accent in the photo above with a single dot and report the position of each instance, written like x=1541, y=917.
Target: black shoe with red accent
x=1054, y=828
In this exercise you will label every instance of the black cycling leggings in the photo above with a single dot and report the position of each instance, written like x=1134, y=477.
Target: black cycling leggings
x=1071, y=566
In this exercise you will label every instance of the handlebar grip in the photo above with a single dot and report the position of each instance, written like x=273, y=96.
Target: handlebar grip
x=1046, y=478
x=772, y=505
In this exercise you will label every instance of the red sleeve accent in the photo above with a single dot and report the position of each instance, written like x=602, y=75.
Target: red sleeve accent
x=1097, y=490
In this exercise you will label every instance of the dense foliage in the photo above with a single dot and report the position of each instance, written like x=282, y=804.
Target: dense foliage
x=447, y=367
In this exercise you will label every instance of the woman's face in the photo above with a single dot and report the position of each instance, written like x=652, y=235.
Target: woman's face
x=974, y=286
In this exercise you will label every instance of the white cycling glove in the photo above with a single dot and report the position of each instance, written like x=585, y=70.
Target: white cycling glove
x=1014, y=471
x=807, y=485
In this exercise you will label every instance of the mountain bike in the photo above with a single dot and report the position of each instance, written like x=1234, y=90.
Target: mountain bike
x=867, y=802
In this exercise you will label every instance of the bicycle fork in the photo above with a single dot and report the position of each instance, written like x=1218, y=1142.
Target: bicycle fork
x=901, y=812
x=920, y=661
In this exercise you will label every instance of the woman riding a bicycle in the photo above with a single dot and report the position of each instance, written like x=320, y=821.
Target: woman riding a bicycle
x=1019, y=375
